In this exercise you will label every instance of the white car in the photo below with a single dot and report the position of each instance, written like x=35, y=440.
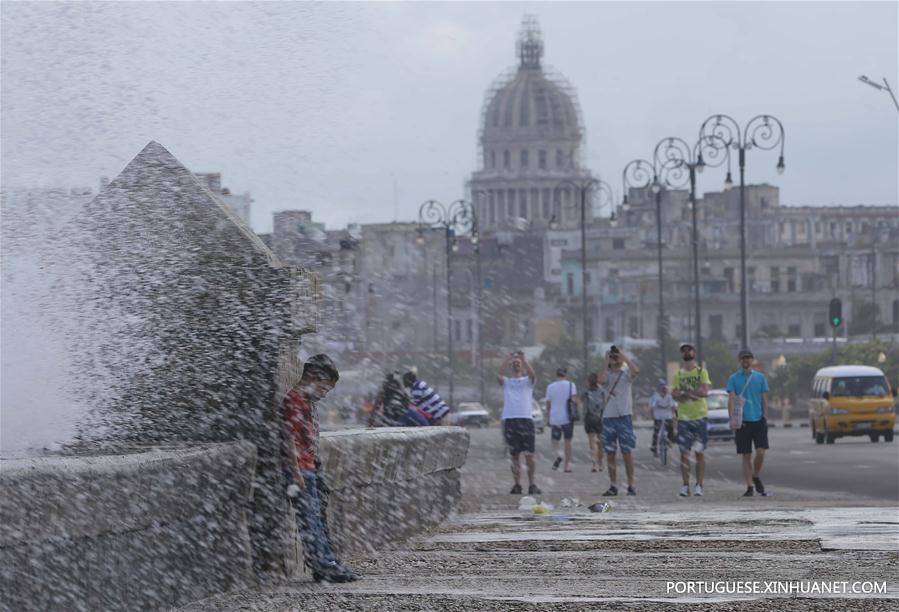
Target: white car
x=719, y=421
x=469, y=414
x=539, y=416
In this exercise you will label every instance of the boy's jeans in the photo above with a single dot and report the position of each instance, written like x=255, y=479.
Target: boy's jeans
x=307, y=505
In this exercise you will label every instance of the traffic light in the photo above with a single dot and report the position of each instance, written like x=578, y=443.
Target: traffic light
x=836, y=312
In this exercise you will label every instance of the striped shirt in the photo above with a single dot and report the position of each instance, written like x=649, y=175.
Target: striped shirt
x=428, y=400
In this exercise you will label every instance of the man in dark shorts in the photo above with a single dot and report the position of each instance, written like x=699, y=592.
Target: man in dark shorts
x=518, y=421
x=749, y=388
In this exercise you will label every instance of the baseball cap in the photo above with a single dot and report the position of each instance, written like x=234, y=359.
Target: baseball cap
x=745, y=353
x=687, y=345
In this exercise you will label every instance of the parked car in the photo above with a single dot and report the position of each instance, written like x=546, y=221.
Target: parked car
x=719, y=421
x=851, y=400
x=469, y=414
x=539, y=416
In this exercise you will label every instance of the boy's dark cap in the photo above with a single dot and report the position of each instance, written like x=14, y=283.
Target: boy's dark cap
x=321, y=365
x=745, y=353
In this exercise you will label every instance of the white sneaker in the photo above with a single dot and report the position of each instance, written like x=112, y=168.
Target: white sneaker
x=697, y=490
x=685, y=491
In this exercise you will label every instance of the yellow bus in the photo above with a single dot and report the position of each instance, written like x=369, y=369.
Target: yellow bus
x=851, y=401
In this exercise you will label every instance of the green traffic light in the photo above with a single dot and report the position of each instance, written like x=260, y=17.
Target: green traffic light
x=835, y=322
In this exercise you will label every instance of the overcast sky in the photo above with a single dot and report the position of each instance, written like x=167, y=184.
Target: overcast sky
x=359, y=112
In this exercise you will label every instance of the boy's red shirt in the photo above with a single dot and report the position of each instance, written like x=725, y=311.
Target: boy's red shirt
x=303, y=428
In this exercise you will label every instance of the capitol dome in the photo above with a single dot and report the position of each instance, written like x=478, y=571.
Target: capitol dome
x=530, y=102
x=531, y=138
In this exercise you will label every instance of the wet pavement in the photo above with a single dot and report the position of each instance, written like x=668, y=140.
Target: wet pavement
x=493, y=556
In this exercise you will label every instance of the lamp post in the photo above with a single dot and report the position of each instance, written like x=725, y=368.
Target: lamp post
x=885, y=87
x=764, y=132
x=876, y=231
x=641, y=174
x=455, y=219
x=584, y=188
x=679, y=163
x=475, y=238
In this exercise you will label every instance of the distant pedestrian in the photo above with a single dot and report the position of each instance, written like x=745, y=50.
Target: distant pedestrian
x=748, y=398
x=662, y=405
x=306, y=490
x=425, y=398
x=690, y=388
x=594, y=402
x=617, y=421
x=518, y=420
x=558, y=395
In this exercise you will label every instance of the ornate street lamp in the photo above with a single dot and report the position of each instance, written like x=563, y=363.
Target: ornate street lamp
x=678, y=164
x=640, y=173
x=603, y=191
x=455, y=220
x=764, y=132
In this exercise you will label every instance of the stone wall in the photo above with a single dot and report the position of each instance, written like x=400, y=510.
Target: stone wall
x=150, y=529
x=144, y=530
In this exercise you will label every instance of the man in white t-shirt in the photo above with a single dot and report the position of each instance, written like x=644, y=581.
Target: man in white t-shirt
x=557, y=395
x=518, y=420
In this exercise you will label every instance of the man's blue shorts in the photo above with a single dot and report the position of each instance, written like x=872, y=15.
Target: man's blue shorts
x=618, y=432
x=693, y=435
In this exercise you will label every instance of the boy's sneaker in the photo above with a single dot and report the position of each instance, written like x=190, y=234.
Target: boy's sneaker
x=685, y=491
x=631, y=491
x=516, y=490
x=697, y=490
x=557, y=463
x=759, y=486
x=749, y=492
x=612, y=491
x=534, y=490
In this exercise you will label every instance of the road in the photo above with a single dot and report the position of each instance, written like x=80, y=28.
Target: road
x=852, y=471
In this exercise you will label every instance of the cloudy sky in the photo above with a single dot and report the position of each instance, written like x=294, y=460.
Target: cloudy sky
x=359, y=112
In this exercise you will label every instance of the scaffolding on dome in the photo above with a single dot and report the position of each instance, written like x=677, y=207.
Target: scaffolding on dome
x=557, y=79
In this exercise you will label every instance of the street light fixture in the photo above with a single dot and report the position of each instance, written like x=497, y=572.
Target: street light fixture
x=455, y=219
x=641, y=173
x=673, y=156
x=885, y=87
x=603, y=190
x=764, y=132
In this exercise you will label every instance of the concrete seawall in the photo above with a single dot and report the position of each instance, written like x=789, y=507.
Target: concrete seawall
x=159, y=527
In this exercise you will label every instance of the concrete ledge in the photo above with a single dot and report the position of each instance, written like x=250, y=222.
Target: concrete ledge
x=147, y=529
x=392, y=483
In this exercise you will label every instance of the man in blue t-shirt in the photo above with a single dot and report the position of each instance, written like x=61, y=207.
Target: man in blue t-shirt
x=749, y=388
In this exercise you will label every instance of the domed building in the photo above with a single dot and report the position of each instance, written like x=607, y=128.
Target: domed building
x=531, y=139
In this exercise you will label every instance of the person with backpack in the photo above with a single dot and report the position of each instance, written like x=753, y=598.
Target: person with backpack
x=594, y=402
x=747, y=405
x=691, y=386
x=559, y=415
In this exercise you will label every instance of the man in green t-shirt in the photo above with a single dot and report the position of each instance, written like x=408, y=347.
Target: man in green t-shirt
x=690, y=388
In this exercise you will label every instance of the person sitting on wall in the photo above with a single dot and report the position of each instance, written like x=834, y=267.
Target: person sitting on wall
x=425, y=398
x=394, y=405
x=320, y=375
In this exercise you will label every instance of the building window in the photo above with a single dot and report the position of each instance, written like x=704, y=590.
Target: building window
x=791, y=279
x=569, y=283
x=470, y=329
x=524, y=158
x=729, y=277
x=610, y=330
x=541, y=159
x=546, y=203
x=511, y=202
x=794, y=330
x=820, y=329
x=457, y=329
x=560, y=158
x=618, y=244
x=493, y=160
x=775, y=279
x=507, y=160
x=587, y=278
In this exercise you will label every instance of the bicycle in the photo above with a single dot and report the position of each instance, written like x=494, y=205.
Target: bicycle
x=662, y=442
